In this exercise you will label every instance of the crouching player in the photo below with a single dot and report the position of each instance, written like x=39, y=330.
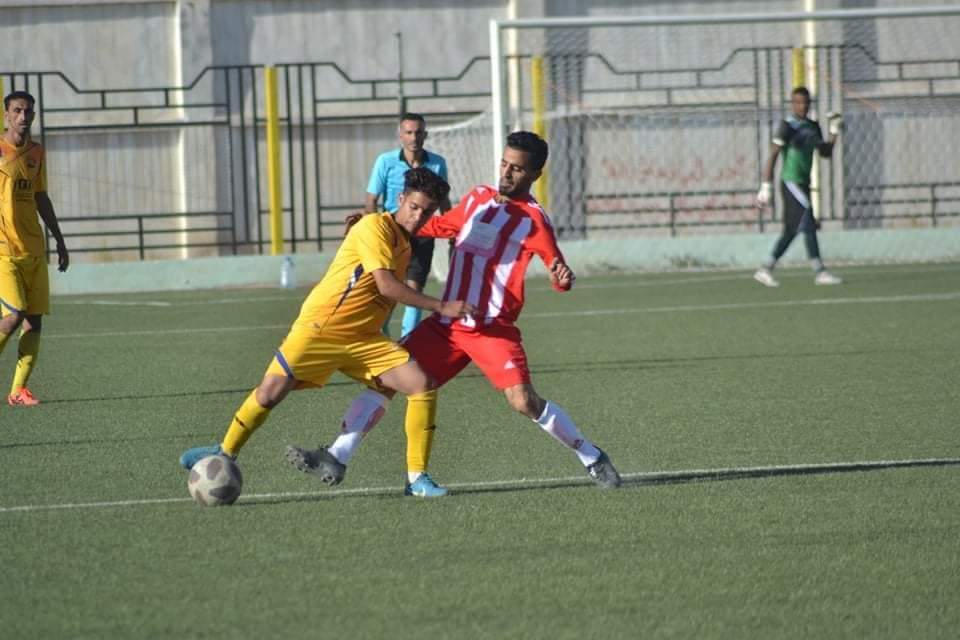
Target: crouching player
x=338, y=328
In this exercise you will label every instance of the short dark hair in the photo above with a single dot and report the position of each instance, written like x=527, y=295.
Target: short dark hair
x=18, y=95
x=531, y=143
x=416, y=117
x=801, y=91
x=426, y=182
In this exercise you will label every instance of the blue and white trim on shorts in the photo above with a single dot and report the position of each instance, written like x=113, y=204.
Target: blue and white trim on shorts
x=285, y=365
x=4, y=303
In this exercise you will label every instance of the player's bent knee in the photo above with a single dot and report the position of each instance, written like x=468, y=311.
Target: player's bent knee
x=273, y=390
x=408, y=379
x=10, y=322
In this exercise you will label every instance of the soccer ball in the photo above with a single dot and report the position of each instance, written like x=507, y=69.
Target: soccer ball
x=215, y=481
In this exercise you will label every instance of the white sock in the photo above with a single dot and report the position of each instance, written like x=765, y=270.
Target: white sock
x=555, y=421
x=413, y=476
x=362, y=416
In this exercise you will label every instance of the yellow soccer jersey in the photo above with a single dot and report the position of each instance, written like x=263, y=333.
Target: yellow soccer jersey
x=22, y=176
x=347, y=303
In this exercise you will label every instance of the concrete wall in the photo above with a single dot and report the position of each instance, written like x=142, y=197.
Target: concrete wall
x=146, y=45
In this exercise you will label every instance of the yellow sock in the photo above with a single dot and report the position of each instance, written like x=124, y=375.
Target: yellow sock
x=4, y=337
x=248, y=419
x=420, y=424
x=28, y=348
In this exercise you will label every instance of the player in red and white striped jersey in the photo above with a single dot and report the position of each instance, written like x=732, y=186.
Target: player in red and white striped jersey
x=495, y=239
x=497, y=232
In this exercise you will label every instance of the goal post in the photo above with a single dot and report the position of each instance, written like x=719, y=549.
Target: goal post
x=661, y=124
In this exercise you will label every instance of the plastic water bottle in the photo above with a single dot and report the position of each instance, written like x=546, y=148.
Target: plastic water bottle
x=288, y=278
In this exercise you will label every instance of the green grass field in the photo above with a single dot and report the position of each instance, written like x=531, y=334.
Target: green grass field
x=671, y=373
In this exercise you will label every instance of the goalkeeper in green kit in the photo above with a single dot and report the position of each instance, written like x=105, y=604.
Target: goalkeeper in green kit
x=797, y=138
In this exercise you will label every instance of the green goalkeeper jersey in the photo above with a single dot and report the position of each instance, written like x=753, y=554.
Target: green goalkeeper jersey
x=799, y=139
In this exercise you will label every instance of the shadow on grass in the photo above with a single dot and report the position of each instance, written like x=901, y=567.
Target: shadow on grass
x=632, y=364
x=630, y=480
x=68, y=443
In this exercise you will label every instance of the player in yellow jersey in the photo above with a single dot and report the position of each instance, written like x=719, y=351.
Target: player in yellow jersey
x=24, y=283
x=339, y=329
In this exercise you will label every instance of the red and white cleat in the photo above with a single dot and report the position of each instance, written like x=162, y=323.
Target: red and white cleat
x=22, y=398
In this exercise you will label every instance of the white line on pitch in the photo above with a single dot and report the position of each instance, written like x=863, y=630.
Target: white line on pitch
x=648, y=477
x=632, y=281
x=119, y=303
x=160, y=332
x=174, y=303
x=732, y=276
x=920, y=297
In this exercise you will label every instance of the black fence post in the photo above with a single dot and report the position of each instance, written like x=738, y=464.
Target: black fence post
x=673, y=217
x=933, y=205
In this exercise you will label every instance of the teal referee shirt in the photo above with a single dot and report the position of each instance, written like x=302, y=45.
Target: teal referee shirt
x=386, y=179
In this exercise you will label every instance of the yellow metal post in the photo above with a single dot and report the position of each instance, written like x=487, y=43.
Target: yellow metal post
x=799, y=73
x=273, y=161
x=541, y=188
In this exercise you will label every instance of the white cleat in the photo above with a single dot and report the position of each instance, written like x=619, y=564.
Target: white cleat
x=825, y=277
x=764, y=277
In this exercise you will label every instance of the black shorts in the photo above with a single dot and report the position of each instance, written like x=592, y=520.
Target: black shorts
x=797, y=208
x=420, y=259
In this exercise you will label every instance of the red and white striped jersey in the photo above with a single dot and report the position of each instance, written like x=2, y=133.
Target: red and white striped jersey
x=495, y=242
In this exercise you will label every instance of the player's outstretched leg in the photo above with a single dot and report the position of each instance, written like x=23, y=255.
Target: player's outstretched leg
x=248, y=418
x=555, y=421
x=420, y=425
x=330, y=463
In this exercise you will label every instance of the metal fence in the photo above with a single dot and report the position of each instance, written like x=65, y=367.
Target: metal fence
x=140, y=173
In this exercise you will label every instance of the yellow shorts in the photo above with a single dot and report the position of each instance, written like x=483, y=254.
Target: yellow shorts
x=24, y=285
x=311, y=360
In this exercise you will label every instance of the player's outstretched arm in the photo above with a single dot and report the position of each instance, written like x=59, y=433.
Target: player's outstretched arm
x=390, y=287
x=49, y=217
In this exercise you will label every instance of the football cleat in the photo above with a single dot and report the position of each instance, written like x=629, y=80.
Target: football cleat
x=604, y=473
x=764, y=277
x=22, y=398
x=825, y=277
x=318, y=462
x=191, y=457
x=424, y=487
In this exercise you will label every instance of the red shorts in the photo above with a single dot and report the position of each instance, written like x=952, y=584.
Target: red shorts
x=442, y=352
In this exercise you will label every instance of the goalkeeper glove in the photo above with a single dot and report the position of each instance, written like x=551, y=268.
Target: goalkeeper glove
x=765, y=194
x=834, y=123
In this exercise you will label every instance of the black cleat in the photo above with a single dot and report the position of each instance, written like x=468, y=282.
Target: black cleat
x=319, y=462
x=604, y=473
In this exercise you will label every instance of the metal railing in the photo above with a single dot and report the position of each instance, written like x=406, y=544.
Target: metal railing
x=226, y=101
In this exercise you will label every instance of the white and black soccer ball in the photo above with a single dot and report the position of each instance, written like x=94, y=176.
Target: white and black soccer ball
x=215, y=481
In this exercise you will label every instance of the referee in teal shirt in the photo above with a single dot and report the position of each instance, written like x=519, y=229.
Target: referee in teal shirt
x=386, y=182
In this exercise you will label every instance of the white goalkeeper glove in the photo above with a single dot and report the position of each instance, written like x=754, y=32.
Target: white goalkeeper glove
x=765, y=194
x=834, y=123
